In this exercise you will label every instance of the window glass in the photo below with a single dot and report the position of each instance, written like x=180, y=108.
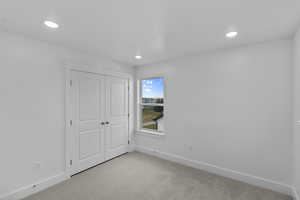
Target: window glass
x=152, y=117
x=153, y=90
x=152, y=104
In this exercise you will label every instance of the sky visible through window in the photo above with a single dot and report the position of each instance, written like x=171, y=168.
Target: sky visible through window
x=153, y=88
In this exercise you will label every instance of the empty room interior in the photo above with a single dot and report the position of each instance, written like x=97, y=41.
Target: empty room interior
x=150, y=100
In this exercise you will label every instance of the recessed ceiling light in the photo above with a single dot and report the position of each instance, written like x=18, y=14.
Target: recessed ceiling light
x=138, y=57
x=51, y=24
x=231, y=34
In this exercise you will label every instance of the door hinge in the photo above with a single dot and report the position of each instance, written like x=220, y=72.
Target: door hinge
x=71, y=162
x=71, y=83
x=71, y=122
x=128, y=142
x=128, y=115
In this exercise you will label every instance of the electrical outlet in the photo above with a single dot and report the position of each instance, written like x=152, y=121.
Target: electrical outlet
x=37, y=165
x=188, y=147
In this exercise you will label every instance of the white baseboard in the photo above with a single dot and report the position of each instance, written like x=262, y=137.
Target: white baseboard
x=34, y=188
x=295, y=194
x=247, y=178
x=243, y=177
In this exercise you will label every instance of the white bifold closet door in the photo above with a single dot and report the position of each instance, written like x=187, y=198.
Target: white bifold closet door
x=100, y=125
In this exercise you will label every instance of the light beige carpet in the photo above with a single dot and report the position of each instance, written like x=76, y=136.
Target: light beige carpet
x=136, y=176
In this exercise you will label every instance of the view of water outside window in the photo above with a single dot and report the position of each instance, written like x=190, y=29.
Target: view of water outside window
x=152, y=109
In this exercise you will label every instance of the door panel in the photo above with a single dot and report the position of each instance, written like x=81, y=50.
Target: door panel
x=89, y=133
x=117, y=99
x=117, y=116
x=89, y=144
x=88, y=98
x=118, y=136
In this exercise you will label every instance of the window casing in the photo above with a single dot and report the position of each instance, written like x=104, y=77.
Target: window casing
x=151, y=105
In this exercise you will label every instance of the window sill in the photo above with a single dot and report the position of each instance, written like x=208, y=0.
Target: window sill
x=146, y=132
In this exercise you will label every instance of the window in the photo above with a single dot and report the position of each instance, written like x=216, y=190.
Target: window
x=151, y=104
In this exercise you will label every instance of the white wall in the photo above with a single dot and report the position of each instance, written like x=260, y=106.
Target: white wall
x=32, y=108
x=296, y=138
x=236, y=113
x=231, y=108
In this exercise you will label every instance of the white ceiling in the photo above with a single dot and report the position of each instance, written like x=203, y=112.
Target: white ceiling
x=156, y=29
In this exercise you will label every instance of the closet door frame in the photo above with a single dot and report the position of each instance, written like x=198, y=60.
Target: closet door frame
x=69, y=128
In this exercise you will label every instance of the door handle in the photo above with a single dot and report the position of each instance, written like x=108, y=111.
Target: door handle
x=106, y=122
x=102, y=123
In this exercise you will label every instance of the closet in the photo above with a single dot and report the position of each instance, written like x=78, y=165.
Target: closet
x=99, y=125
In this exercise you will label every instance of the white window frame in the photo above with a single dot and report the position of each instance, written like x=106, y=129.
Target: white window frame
x=140, y=104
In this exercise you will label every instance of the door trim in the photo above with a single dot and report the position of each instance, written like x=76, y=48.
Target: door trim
x=68, y=110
